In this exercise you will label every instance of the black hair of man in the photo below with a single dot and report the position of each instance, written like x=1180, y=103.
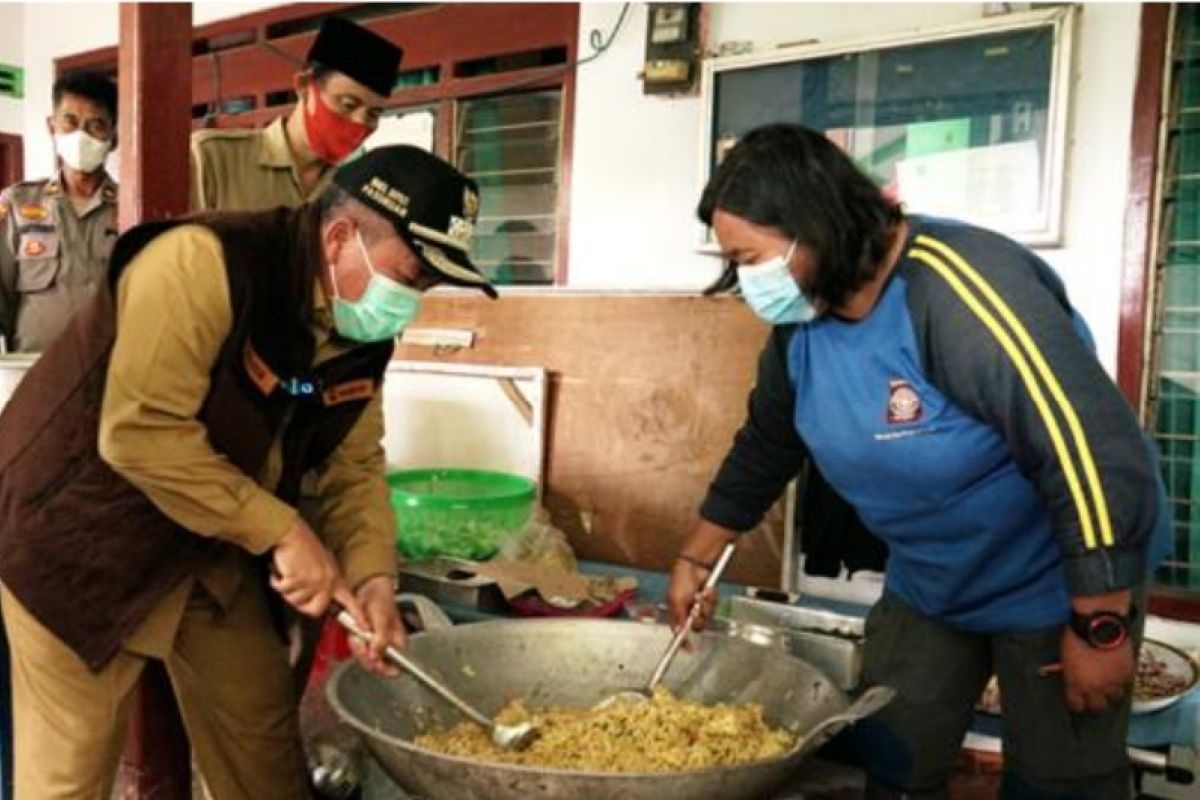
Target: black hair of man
x=794, y=179
x=331, y=199
x=90, y=86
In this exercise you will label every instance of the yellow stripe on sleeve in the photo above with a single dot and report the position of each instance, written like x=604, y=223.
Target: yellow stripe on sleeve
x=1031, y=384
x=1046, y=374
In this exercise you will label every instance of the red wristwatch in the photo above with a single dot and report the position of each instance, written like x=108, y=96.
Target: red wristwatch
x=1103, y=630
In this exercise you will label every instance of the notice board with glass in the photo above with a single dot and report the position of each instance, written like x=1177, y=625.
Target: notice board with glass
x=968, y=121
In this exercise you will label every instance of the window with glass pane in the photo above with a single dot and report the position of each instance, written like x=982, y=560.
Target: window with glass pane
x=965, y=126
x=510, y=146
x=1175, y=391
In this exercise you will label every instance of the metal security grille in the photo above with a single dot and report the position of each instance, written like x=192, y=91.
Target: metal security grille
x=511, y=146
x=1174, y=401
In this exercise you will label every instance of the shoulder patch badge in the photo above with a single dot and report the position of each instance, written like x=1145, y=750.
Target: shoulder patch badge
x=33, y=248
x=904, y=404
x=33, y=212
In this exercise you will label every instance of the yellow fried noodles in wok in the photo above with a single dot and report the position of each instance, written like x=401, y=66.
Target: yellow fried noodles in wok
x=667, y=734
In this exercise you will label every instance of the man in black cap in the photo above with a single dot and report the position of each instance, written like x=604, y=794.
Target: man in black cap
x=341, y=92
x=226, y=356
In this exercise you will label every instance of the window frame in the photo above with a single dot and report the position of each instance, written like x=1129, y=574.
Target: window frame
x=1061, y=20
x=561, y=169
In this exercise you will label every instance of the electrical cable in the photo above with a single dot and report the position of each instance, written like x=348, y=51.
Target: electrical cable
x=599, y=45
x=597, y=42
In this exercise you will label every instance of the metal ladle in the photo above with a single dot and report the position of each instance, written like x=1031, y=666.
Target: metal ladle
x=506, y=737
x=644, y=694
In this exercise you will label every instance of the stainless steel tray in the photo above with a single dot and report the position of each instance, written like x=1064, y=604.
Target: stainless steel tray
x=451, y=581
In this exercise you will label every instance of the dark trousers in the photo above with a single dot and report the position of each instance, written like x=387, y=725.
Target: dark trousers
x=911, y=747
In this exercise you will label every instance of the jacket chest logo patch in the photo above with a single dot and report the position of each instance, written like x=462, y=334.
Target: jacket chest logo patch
x=34, y=248
x=904, y=404
x=361, y=389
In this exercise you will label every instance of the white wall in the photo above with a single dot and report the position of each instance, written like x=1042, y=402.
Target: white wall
x=53, y=30
x=12, y=51
x=1098, y=169
x=635, y=171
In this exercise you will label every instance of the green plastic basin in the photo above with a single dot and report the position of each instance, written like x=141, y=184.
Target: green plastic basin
x=465, y=513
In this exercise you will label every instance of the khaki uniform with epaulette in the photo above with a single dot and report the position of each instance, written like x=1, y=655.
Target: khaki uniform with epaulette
x=247, y=170
x=53, y=256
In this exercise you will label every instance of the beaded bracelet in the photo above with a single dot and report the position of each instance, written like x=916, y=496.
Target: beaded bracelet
x=694, y=561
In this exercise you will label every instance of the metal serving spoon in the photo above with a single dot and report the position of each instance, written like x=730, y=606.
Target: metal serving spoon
x=644, y=694
x=506, y=737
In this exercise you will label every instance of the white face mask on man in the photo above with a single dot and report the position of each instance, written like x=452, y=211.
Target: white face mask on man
x=80, y=151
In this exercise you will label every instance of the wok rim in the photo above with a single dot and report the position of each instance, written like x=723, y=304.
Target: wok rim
x=789, y=757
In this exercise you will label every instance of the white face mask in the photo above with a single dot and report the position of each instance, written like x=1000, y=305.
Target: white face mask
x=81, y=152
x=771, y=291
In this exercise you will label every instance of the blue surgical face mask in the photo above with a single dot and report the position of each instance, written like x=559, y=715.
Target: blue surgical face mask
x=772, y=292
x=384, y=310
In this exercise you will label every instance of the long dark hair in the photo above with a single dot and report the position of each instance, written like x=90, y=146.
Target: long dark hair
x=792, y=178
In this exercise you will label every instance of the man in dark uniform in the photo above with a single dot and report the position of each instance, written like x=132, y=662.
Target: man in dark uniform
x=56, y=233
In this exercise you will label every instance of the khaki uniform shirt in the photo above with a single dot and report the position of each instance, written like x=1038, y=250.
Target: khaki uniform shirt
x=247, y=170
x=173, y=315
x=52, y=257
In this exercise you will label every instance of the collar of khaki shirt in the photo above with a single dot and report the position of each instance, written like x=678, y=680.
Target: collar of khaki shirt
x=276, y=152
x=321, y=324
x=106, y=195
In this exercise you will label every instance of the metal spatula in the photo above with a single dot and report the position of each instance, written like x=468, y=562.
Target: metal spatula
x=664, y=663
x=506, y=737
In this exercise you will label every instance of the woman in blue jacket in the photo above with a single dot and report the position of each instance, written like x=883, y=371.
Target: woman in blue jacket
x=940, y=380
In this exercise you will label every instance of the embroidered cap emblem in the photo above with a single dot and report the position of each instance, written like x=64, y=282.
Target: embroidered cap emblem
x=461, y=231
x=904, y=404
x=393, y=200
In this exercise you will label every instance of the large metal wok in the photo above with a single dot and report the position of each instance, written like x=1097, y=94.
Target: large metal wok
x=572, y=662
